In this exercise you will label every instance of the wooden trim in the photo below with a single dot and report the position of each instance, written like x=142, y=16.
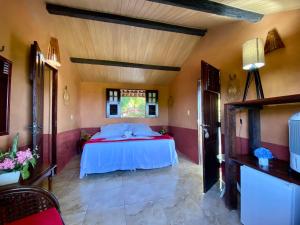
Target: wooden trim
x=8, y=97
x=254, y=129
x=277, y=168
x=214, y=8
x=123, y=64
x=43, y=170
x=54, y=116
x=230, y=167
x=124, y=20
x=268, y=101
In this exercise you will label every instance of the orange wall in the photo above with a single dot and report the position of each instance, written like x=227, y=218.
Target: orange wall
x=23, y=22
x=222, y=47
x=93, y=104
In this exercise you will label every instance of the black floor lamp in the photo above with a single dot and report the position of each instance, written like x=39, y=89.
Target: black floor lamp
x=253, y=59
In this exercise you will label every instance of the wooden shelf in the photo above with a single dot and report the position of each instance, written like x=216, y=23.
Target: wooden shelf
x=267, y=101
x=277, y=168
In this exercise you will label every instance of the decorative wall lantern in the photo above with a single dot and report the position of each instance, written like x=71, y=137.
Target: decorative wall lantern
x=53, y=55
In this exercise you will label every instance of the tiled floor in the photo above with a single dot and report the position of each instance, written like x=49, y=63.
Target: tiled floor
x=169, y=196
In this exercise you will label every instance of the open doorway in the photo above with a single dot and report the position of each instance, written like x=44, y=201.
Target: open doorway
x=209, y=144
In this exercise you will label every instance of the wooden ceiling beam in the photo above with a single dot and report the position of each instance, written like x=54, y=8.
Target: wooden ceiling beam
x=214, y=8
x=123, y=64
x=117, y=19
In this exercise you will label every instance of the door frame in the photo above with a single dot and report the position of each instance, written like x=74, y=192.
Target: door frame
x=36, y=52
x=54, y=113
x=200, y=122
x=199, y=128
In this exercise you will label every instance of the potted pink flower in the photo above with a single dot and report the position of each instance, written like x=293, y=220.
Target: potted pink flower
x=14, y=162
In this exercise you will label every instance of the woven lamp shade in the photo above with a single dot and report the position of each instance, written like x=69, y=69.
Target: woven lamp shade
x=53, y=55
x=253, y=54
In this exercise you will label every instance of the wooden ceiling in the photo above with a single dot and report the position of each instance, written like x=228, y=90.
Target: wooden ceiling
x=263, y=6
x=107, y=41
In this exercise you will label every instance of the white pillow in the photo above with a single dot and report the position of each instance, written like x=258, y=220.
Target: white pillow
x=127, y=134
x=95, y=136
x=113, y=130
x=140, y=129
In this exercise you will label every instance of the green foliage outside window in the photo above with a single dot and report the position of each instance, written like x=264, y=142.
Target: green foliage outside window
x=133, y=106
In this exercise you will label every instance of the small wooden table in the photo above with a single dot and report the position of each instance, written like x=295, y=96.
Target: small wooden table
x=39, y=173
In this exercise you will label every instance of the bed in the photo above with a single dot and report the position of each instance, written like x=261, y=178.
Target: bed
x=127, y=147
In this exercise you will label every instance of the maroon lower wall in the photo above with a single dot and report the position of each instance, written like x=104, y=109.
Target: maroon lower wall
x=279, y=151
x=67, y=144
x=93, y=130
x=66, y=147
x=186, y=141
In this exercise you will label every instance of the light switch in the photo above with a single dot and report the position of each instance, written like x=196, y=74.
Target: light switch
x=188, y=112
x=71, y=117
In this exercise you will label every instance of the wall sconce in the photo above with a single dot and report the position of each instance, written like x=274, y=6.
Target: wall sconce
x=233, y=88
x=253, y=59
x=66, y=96
x=53, y=55
x=273, y=41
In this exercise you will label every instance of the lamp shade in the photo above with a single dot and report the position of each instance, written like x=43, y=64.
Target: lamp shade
x=253, y=54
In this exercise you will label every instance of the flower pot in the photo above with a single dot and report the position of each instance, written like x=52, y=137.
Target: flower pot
x=9, y=178
x=263, y=162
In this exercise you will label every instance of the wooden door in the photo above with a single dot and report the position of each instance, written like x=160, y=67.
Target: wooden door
x=209, y=123
x=37, y=78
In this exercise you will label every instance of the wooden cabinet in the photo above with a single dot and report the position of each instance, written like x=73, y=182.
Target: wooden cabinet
x=277, y=168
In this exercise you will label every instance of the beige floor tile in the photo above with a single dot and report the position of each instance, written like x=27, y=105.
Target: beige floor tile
x=167, y=196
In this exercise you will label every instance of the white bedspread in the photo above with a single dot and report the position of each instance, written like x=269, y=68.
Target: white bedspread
x=127, y=155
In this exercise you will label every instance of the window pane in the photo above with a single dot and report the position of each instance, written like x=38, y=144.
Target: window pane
x=152, y=110
x=113, y=110
x=133, y=106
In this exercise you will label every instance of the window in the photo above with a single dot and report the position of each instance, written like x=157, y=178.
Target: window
x=152, y=103
x=131, y=103
x=5, y=77
x=112, y=103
